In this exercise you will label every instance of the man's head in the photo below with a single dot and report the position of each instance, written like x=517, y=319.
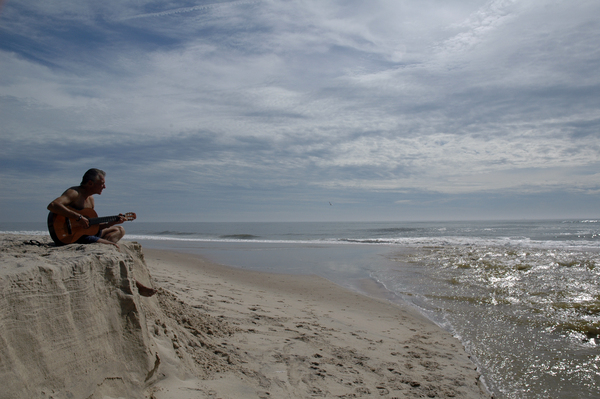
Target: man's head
x=93, y=179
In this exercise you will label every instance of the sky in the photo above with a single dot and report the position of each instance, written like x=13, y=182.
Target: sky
x=303, y=110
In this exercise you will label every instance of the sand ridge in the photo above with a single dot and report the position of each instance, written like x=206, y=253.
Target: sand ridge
x=71, y=321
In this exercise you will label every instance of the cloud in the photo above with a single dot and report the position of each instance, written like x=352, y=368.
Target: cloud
x=449, y=98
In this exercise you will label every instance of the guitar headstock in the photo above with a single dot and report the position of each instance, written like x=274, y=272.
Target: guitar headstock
x=129, y=216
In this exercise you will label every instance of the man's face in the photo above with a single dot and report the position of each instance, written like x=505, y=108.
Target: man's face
x=98, y=185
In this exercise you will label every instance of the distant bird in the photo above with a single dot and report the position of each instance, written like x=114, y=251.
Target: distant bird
x=330, y=203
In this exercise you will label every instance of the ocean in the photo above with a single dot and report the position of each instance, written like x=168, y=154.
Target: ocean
x=522, y=296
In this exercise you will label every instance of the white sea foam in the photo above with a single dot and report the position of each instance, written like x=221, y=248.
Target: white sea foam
x=404, y=241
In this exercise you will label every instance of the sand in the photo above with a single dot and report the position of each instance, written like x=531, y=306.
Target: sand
x=214, y=331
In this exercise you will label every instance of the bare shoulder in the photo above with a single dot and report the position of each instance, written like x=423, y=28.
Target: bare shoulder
x=73, y=190
x=72, y=197
x=72, y=193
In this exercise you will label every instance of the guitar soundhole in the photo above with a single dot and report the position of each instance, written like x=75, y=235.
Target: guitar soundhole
x=69, y=230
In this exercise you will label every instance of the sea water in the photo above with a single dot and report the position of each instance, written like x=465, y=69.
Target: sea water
x=522, y=296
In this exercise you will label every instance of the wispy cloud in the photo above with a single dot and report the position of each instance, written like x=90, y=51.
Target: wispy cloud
x=342, y=98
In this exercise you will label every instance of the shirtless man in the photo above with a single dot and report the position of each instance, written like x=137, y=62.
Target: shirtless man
x=80, y=197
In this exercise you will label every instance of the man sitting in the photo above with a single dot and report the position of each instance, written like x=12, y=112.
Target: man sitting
x=81, y=197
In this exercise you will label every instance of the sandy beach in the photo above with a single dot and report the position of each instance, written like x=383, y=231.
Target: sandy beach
x=218, y=332
x=302, y=336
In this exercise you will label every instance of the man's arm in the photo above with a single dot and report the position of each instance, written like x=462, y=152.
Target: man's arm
x=110, y=224
x=60, y=206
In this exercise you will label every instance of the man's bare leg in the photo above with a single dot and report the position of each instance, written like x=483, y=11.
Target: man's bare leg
x=113, y=233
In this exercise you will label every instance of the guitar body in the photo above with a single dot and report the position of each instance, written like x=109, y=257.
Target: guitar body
x=67, y=231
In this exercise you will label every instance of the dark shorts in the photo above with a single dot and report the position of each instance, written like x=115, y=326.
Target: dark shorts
x=90, y=239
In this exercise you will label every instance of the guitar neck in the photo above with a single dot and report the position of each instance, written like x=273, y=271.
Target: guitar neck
x=104, y=219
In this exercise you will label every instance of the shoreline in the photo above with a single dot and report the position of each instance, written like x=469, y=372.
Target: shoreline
x=304, y=336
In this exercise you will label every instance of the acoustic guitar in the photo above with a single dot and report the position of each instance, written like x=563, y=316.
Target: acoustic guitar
x=67, y=231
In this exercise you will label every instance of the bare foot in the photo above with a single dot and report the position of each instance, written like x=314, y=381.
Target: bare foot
x=143, y=290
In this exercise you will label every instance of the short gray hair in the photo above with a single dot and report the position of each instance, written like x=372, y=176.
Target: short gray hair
x=92, y=175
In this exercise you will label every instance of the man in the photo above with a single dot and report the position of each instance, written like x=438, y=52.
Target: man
x=81, y=197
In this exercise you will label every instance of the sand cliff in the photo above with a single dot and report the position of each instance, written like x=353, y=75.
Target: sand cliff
x=71, y=321
x=73, y=325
